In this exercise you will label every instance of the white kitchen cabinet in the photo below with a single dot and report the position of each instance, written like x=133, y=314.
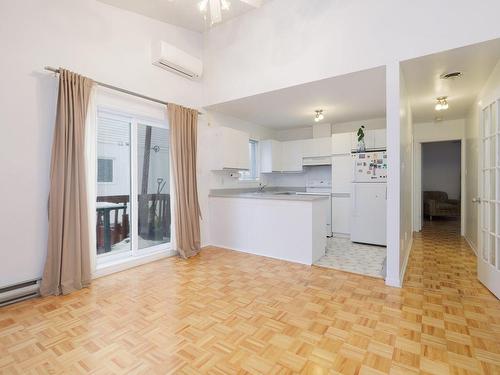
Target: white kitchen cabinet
x=291, y=156
x=342, y=173
x=379, y=139
x=270, y=156
x=317, y=147
x=341, y=143
x=341, y=214
x=229, y=149
x=354, y=141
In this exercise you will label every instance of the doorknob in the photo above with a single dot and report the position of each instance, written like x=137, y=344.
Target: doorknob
x=476, y=200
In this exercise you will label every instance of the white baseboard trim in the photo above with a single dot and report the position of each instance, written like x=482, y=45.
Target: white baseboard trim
x=397, y=282
x=394, y=282
x=471, y=244
x=127, y=263
x=259, y=254
x=405, y=261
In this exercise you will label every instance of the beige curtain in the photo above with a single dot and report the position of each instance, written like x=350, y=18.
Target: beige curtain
x=67, y=267
x=183, y=134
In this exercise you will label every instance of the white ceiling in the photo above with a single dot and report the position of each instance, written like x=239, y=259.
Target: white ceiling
x=350, y=97
x=424, y=85
x=183, y=13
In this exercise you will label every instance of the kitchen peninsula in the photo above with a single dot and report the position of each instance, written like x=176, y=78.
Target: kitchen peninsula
x=277, y=223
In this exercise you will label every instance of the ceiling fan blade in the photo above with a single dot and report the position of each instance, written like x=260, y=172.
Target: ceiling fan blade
x=254, y=3
x=215, y=12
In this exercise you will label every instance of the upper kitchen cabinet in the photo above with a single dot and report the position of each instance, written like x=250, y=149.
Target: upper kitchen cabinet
x=270, y=156
x=341, y=143
x=291, y=156
x=317, y=147
x=379, y=138
x=229, y=149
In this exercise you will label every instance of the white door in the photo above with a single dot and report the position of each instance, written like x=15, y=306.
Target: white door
x=488, y=265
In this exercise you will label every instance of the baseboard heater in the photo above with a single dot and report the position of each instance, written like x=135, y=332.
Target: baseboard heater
x=19, y=292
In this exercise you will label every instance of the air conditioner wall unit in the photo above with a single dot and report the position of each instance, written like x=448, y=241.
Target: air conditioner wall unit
x=173, y=59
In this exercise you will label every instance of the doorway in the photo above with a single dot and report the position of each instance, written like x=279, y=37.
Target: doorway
x=439, y=176
x=441, y=182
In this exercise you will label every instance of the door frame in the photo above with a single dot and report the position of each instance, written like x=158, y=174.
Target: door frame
x=113, y=262
x=483, y=273
x=418, y=211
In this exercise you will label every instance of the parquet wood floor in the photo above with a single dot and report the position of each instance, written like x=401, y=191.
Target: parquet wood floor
x=225, y=312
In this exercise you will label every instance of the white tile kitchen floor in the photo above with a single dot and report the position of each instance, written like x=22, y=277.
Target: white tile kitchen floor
x=342, y=254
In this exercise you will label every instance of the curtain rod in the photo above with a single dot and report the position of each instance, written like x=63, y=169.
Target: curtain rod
x=55, y=70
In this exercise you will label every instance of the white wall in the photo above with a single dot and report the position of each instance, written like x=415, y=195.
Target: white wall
x=352, y=126
x=289, y=42
x=441, y=168
x=406, y=177
x=393, y=104
x=339, y=127
x=489, y=93
x=399, y=176
x=294, y=134
x=91, y=38
x=439, y=131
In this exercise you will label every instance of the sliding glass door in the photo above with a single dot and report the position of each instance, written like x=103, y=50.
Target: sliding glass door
x=153, y=190
x=132, y=160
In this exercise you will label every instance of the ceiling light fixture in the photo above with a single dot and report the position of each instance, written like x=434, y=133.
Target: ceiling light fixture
x=319, y=115
x=203, y=6
x=442, y=103
x=215, y=8
x=451, y=75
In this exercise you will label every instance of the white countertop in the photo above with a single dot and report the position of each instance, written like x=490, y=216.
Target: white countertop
x=273, y=195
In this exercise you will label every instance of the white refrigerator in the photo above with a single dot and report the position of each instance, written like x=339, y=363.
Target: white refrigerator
x=369, y=198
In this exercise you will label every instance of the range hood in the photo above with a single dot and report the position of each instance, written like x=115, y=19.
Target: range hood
x=317, y=160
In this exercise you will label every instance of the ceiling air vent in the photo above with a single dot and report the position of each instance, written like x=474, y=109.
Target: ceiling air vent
x=451, y=75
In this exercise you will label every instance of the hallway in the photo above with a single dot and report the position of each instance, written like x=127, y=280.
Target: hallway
x=457, y=320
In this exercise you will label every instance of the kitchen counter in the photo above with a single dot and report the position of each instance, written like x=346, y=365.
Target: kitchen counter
x=277, y=223
x=287, y=195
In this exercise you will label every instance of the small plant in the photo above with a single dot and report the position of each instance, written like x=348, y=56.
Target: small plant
x=361, y=133
x=361, y=139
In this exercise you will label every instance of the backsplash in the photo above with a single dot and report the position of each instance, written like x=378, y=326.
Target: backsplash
x=223, y=180
x=323, y=172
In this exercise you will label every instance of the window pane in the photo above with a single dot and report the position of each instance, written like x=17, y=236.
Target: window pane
x=492, y=244
x=104, y=170
x=493, y=114
x=113, y=187
x=484, y=245
x=253, y=172
x=153, y=186
x=498, y=253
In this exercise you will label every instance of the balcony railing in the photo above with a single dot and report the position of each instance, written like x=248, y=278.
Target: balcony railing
x=113, y=221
